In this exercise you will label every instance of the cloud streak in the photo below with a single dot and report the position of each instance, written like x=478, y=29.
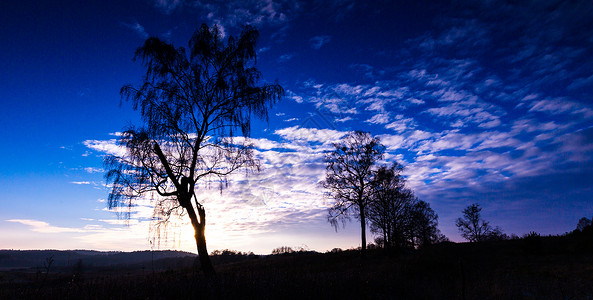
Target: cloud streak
x=44, y=227
x=139, y=29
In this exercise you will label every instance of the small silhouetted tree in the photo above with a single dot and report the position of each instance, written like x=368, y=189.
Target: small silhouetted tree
x=583, y=223
x=349, y=176
x=423, y=225
x=192, y=104
x=282, y=250
x=475, y=229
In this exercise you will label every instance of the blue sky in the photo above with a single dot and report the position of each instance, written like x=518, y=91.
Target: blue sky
x=483, y=102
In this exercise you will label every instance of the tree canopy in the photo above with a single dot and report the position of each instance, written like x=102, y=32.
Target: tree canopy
x=349, y=173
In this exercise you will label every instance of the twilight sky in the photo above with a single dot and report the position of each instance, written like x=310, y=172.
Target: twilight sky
x=483, y=102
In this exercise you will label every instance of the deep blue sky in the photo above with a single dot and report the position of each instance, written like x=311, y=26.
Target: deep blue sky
x=484, y=102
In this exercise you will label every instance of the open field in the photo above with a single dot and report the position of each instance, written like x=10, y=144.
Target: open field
x=538, y=268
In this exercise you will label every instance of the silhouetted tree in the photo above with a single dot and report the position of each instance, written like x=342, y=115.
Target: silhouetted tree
x=349, y=176
x=474, y=229
x=583, y=223
x=192, y=103
x=397, y=215
x=388, y=212
x=282, y=250
x=423, y=225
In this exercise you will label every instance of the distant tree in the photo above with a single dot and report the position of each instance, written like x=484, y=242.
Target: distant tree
x=583, y=223
x=349, y=176
x=423, y=225
x=389, y=205
x=397, y=215
x=227, y=252
x=531, y=235
x=475, y=229
x=192, y=103
x=497, y=235
x=282, y=250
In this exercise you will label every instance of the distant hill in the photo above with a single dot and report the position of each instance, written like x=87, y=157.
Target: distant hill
x=25, y=259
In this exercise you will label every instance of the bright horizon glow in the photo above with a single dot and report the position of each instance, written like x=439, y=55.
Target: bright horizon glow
x=487, y=103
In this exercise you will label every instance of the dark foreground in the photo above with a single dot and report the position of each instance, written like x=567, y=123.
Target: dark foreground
x=540, y=268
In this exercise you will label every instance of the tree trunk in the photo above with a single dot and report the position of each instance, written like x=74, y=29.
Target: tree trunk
x=205, y=262
x=363, y=232
x=199, y=228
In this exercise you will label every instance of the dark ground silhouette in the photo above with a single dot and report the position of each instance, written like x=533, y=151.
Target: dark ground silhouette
x=530, y=268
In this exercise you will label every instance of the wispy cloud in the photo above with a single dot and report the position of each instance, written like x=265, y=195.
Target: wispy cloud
x=318, y=41
x=105, y=146
x=343, y=99
x=139, y=29
x=94, y=170
x=285, y=57
x=81, y=182
x=44, y=227
x=168, y=6
x=342, y=120
x=561, y=106
x=379, y=119
x=236, y=13
x=297, y=133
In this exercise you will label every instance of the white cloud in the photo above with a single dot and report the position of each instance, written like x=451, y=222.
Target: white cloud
x=297, y=133
x=106, y=146
x=297, y=99
x=342, y=120
x=261, y=143
x=81, y=182
x=344, y=98
x=379, y=119
x=415, y=101
x=560, y=106
x=401, y=124
x=44, y=227
x=349, y=90
x=392, y=142
x=94, y=170
x=466, y=110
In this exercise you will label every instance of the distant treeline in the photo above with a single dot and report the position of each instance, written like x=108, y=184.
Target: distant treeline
x=24, y=259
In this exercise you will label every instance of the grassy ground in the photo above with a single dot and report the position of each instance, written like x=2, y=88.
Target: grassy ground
x=543, y=268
